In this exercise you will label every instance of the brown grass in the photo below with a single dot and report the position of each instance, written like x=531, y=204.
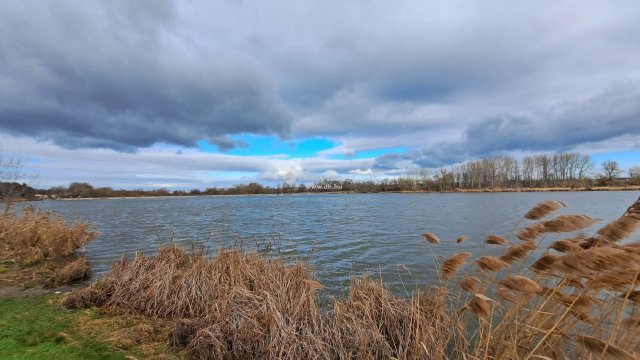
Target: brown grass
x=491, y=263
x=431, y=238
x=33, y=235
x=559, y=224
x=238, y=305
x=451, y=266
x=79, y=269
x=518, y=252
x=543, y=209
x=495, y=240
x=576, y=301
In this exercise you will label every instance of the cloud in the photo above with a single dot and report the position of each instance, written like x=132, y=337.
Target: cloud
x=98, y=75
x=448, y=81
x=601, y=121
x=168, y=166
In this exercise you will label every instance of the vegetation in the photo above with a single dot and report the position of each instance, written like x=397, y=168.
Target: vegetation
x=578, y=299
x=569, y=170
x=37, y=328
x=39, y=248
x=245, y=306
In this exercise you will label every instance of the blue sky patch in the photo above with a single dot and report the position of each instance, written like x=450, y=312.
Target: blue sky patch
x=625, y=159
x=260, y=145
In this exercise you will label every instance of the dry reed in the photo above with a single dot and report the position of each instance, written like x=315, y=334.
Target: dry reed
x=580, y=303
x=495, y=240
x=238, y=305
x=543, y=209
x=451, y=266
x=79, y=269
x=471, y=284
x=34, y=235
x=431, y=238
x=518, y=252
x=491, y=263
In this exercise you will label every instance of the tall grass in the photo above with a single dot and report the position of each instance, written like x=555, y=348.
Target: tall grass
x=578, y=299
x=31, y=235
x=237, y=305
x=575, y=301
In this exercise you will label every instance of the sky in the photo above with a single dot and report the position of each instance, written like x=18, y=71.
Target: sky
x=193, y=94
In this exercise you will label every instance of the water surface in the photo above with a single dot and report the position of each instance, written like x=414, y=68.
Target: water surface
x=341, y=234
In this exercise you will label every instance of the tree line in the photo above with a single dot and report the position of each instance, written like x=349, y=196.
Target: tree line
x=571, y=170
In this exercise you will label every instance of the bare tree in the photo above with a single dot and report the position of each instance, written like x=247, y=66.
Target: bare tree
x=634, y=174
x=611, y=170
x=10, y=174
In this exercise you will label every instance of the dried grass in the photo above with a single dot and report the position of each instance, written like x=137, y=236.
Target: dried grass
x=451, y=266
x=518, y=252
x=495, y=240
x=543, y=209
x=581, y=303
x=491, y=263
x=79, y=269
x=34, y=235
x=238, y=305
x=431, y=238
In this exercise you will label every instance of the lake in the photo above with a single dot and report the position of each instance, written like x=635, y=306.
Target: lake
x=339, y=234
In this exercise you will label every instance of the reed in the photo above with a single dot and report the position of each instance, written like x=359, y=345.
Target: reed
x=495, y=240
x=543, y=209
x=453, y=264
x=33, y=235
x=575, y=301
x=237, y=305
x=431, y=238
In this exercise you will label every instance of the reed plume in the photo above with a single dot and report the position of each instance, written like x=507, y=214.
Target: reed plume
x=471, y=284
x=545, y=262
x=452, y=264
x=530, y=232
x=567, y=223
x=495, y=240
x=624, y=226
x=491, y=263
x=562, y=223
x=521, y=284
x=566, y=246
x=480, y=307
x=518, y=251
x=431, y=238
x=543, y=209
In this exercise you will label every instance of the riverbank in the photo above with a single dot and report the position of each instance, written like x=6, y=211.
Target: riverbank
x=38, y=328
x=578, y=299
x=487, y=190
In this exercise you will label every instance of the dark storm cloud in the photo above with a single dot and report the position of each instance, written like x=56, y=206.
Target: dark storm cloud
x=116, y=75
x=611, y=114
x=607, y=115
x=448, y=81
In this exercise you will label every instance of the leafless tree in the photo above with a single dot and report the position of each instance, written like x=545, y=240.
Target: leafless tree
x=610, y=169
x=10, y=174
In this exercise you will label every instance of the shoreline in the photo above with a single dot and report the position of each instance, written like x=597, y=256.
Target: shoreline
x=462, y=191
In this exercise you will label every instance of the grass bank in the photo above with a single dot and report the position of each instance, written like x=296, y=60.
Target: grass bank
x=579, y=299
x=38, y=328
x=40, y=249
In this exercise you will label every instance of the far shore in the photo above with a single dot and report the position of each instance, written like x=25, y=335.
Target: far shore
x=496, y=190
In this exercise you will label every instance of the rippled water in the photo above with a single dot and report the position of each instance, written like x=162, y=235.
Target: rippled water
x=377, y=234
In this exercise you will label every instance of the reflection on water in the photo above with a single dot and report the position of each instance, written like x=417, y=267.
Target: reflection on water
x=341, y=235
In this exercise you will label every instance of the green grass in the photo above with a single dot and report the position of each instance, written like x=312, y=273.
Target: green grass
x=36, y=328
